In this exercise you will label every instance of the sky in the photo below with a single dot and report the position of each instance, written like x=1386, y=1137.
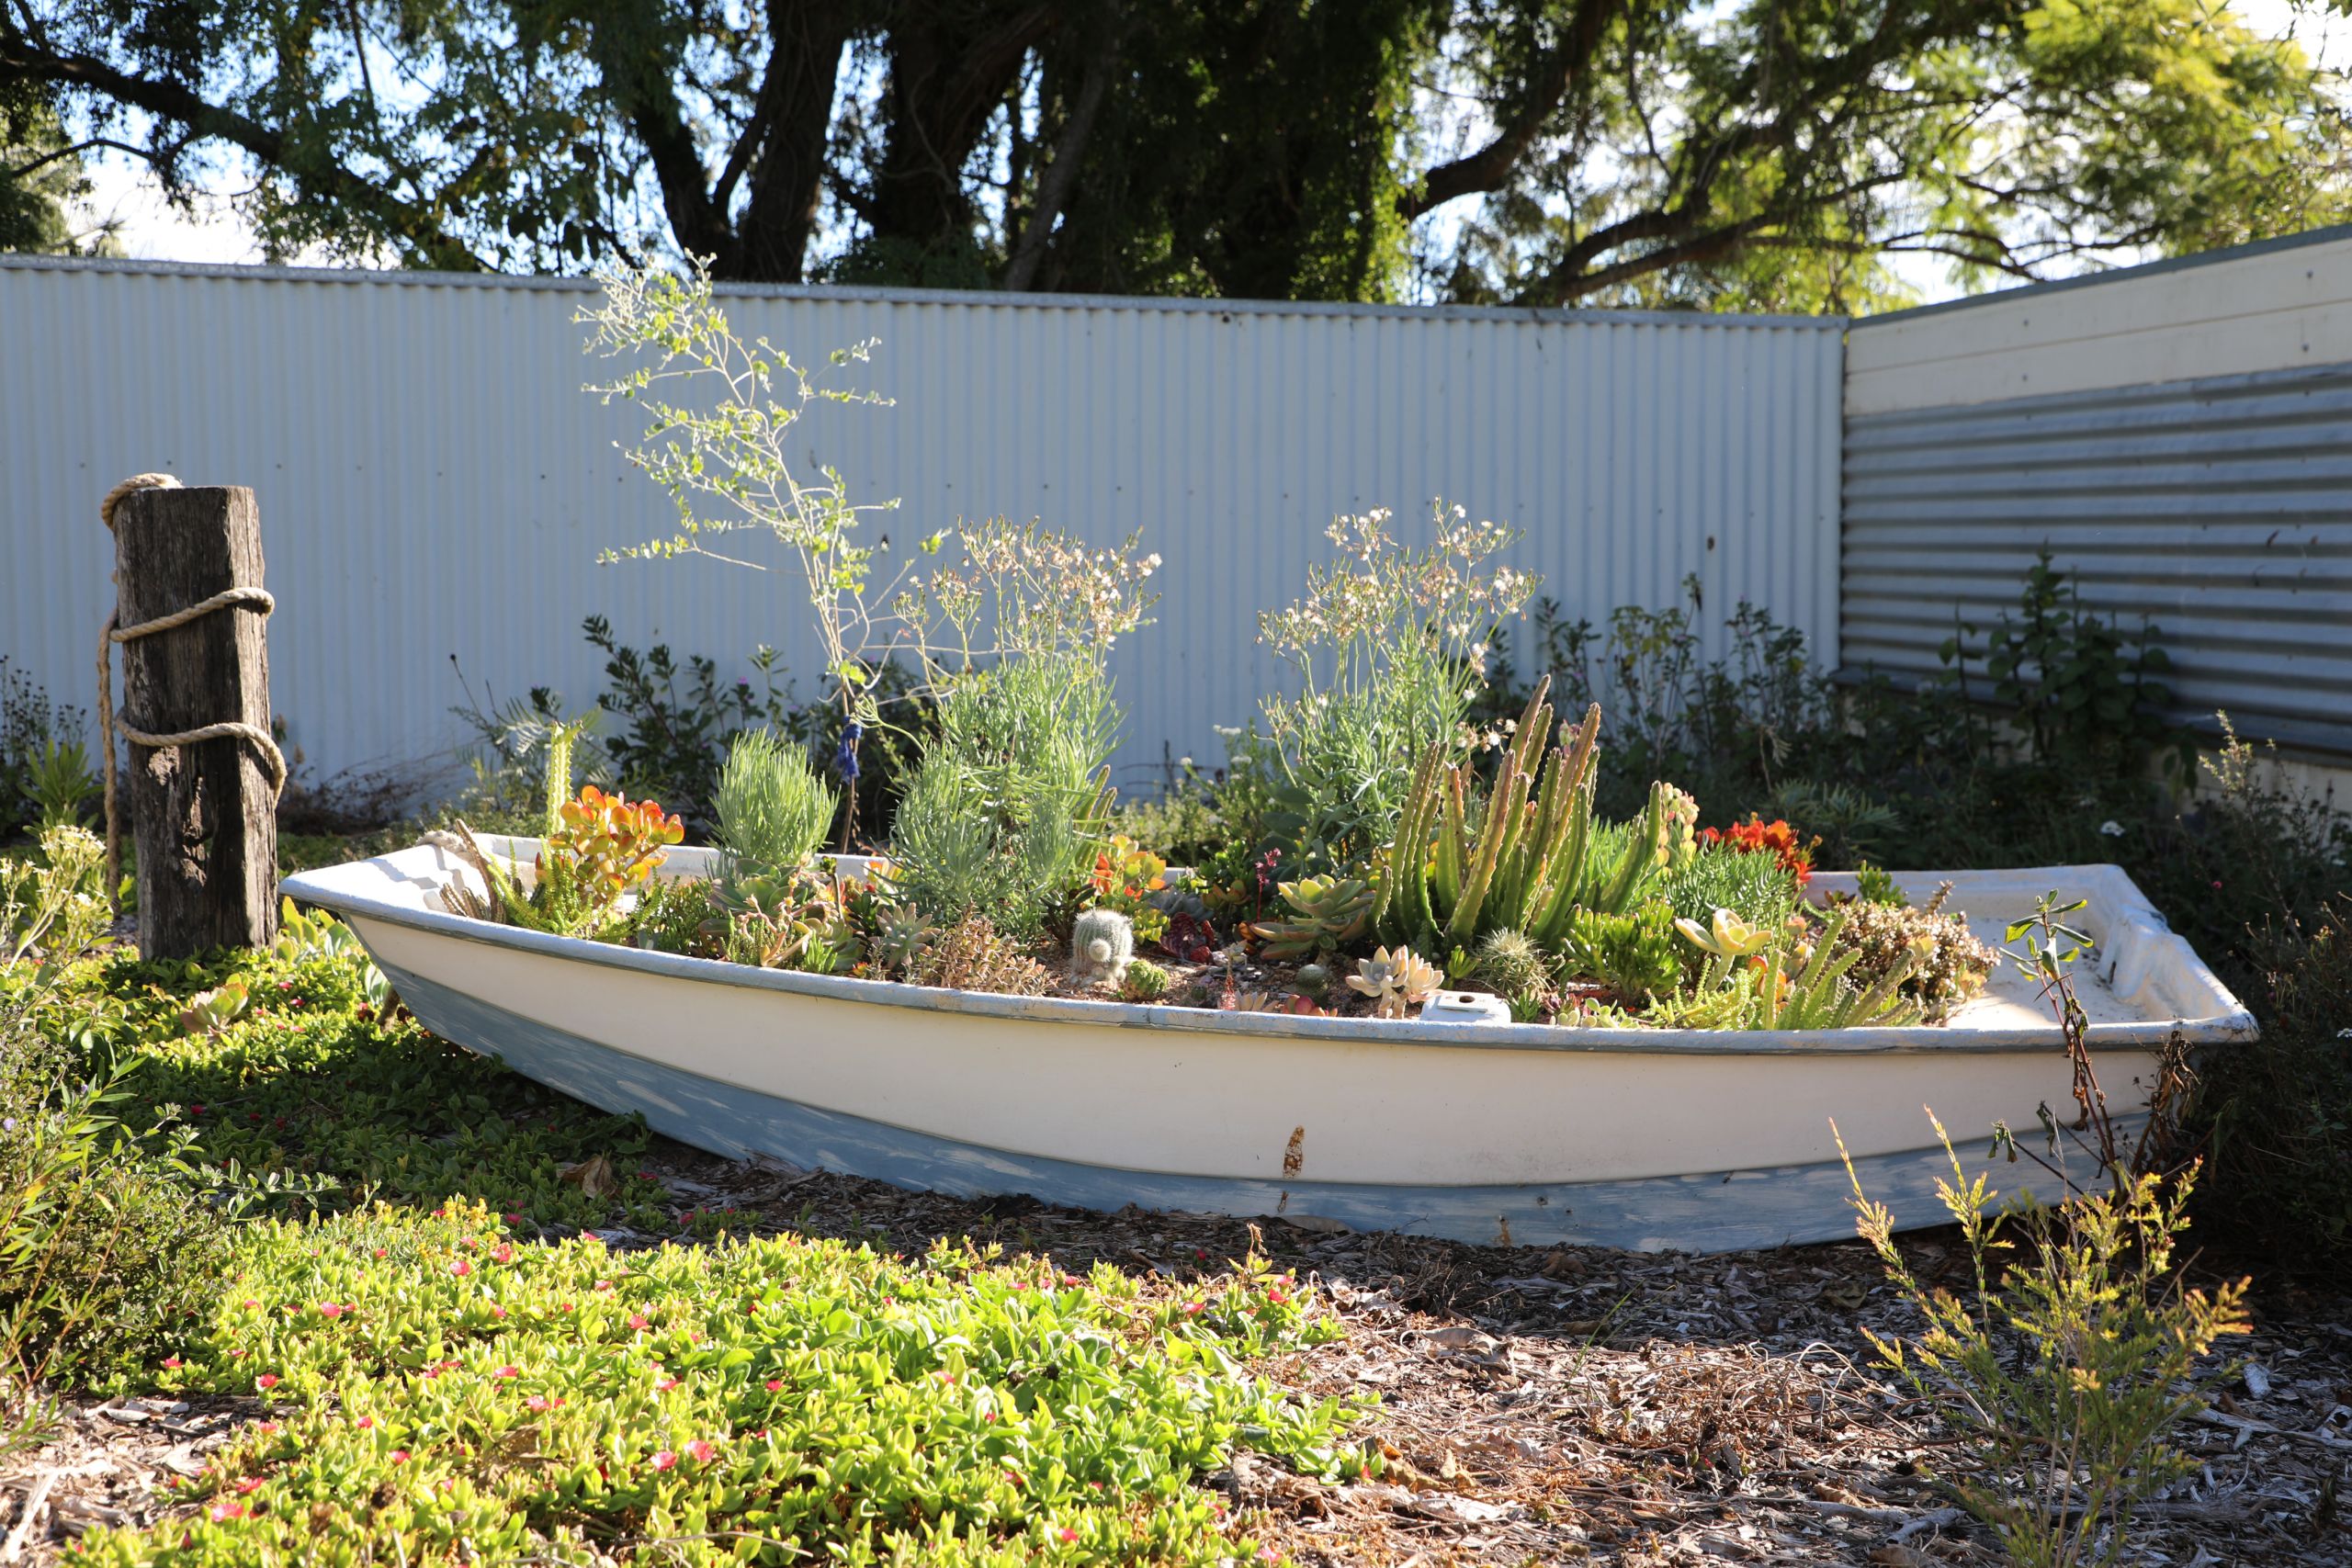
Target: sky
x=152, y=230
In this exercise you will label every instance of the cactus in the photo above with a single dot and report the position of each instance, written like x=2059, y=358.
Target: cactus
x=1145, y=982
x=1330, y=913
x=1512, y=965
x=1533, y=862
x=1102, y=945
x=1313, y=980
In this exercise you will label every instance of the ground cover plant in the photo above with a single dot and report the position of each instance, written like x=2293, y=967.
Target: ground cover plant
x=286, y=1194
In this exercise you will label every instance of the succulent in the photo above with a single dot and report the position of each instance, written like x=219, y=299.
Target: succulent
x=1328, y=914
x=1532, y=857
x=1102, y=945
x=1946, y=964
x=1312, y=980
x=902, y=933
x=972, y=955
x=1145, y=982
x=1190, y=938
x=1632, y=954
x=1257, y=1001
x=1726, y=936
x=1394, y=979
x=1513, y=966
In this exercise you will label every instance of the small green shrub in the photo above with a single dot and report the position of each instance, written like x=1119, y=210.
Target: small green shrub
x=772, y=808
x=1145, y=982
x=2067, y=1368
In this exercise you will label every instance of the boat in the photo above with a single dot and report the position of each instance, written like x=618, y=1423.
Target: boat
x=1479, y=1131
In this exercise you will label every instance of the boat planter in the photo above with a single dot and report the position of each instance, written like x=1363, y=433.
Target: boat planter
x=1482, y=1132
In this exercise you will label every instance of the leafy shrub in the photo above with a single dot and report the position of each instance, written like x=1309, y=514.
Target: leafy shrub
x=2276, y=1112
x=2068, y=1369
x=673, y=726
x=34, y=729
x=772, y=808
x=1183, y=826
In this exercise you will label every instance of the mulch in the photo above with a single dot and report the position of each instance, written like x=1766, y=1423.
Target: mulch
x=1535, y=1404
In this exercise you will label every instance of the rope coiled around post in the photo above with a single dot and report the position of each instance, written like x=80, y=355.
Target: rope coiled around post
x=257, y=600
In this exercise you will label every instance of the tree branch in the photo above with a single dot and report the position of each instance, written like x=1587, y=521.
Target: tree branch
x=1053, y=187
x=177, y=102
x=1490, y=166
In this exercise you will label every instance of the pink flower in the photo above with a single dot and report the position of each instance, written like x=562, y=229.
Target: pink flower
x=498, y=1312
x=399, y=1456
x=461, y=1268
x=251, y=1305
x=664, y=1386
x=266, y=1381
x=270, y=1426
x=249, y=1485
x=173, y=1362
x=505, y=1254
x=1067, y=1534
x=365, y=1421
x=330, y=1308
x=507, y=1374
x=228, y=1508
x=381, y=1252
x=1192, y=1308
x=541, y=1402
x=665, y=1459
x=776, y=1385
x=638, y=1320
x=701, y=1452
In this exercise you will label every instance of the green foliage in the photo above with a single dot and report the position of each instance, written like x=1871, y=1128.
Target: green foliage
x=1235, y=148
x=1755, y=887
x=1943, y=964
x=1183, y=826
x=1326, y=914
x=2275, y=1113
x=679, y=915
x=32, y=726
x=1009, y=806
x=58, y=783
x=759, y=1400
x=1632, y=954
x=52, y=903
x=1770, y=978
x=772, y=808
x=41, y=177
x=2076, y=685
x=1873, y=886
x=2067, y=1367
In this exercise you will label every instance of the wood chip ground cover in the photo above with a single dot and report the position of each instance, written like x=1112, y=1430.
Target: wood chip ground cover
x=1532, y=1405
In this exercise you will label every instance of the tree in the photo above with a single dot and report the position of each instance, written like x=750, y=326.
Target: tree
x=1757, y=152
x=40, y=174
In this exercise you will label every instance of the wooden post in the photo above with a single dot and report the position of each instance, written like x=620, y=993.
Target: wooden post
x=204, y=815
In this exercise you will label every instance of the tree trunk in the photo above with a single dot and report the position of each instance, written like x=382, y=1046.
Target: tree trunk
x=204, y=817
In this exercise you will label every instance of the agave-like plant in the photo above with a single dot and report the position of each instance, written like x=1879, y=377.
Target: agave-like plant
x=1527, y=861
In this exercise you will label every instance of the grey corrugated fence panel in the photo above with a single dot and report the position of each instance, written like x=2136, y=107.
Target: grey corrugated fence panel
x=433, y=482
x=2221, y=508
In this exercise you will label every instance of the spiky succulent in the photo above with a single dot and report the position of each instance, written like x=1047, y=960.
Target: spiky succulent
x=1313, y=980
x=1513, y=966
x=1102, y=945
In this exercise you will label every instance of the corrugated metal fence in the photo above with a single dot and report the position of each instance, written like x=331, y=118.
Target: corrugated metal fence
x=2179, y=436
x=432, y=482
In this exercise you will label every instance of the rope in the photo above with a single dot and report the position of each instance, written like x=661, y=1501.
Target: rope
x=254, y=599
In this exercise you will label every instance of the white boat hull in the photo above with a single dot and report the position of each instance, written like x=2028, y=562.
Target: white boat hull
x=1484, y=1132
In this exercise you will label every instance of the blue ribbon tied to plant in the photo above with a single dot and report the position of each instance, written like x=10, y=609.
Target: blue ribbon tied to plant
x=845, y=759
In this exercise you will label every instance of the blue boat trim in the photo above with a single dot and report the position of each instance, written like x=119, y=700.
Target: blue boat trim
x=2113, y=1036
x=1715, y=1212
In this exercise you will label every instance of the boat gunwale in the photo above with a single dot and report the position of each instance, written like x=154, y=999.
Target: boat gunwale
x=312, y=887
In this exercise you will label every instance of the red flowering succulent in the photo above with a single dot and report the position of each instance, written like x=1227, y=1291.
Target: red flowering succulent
x=1775, y=837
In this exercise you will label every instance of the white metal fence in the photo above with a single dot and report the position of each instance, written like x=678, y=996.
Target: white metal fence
x=433, y=482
